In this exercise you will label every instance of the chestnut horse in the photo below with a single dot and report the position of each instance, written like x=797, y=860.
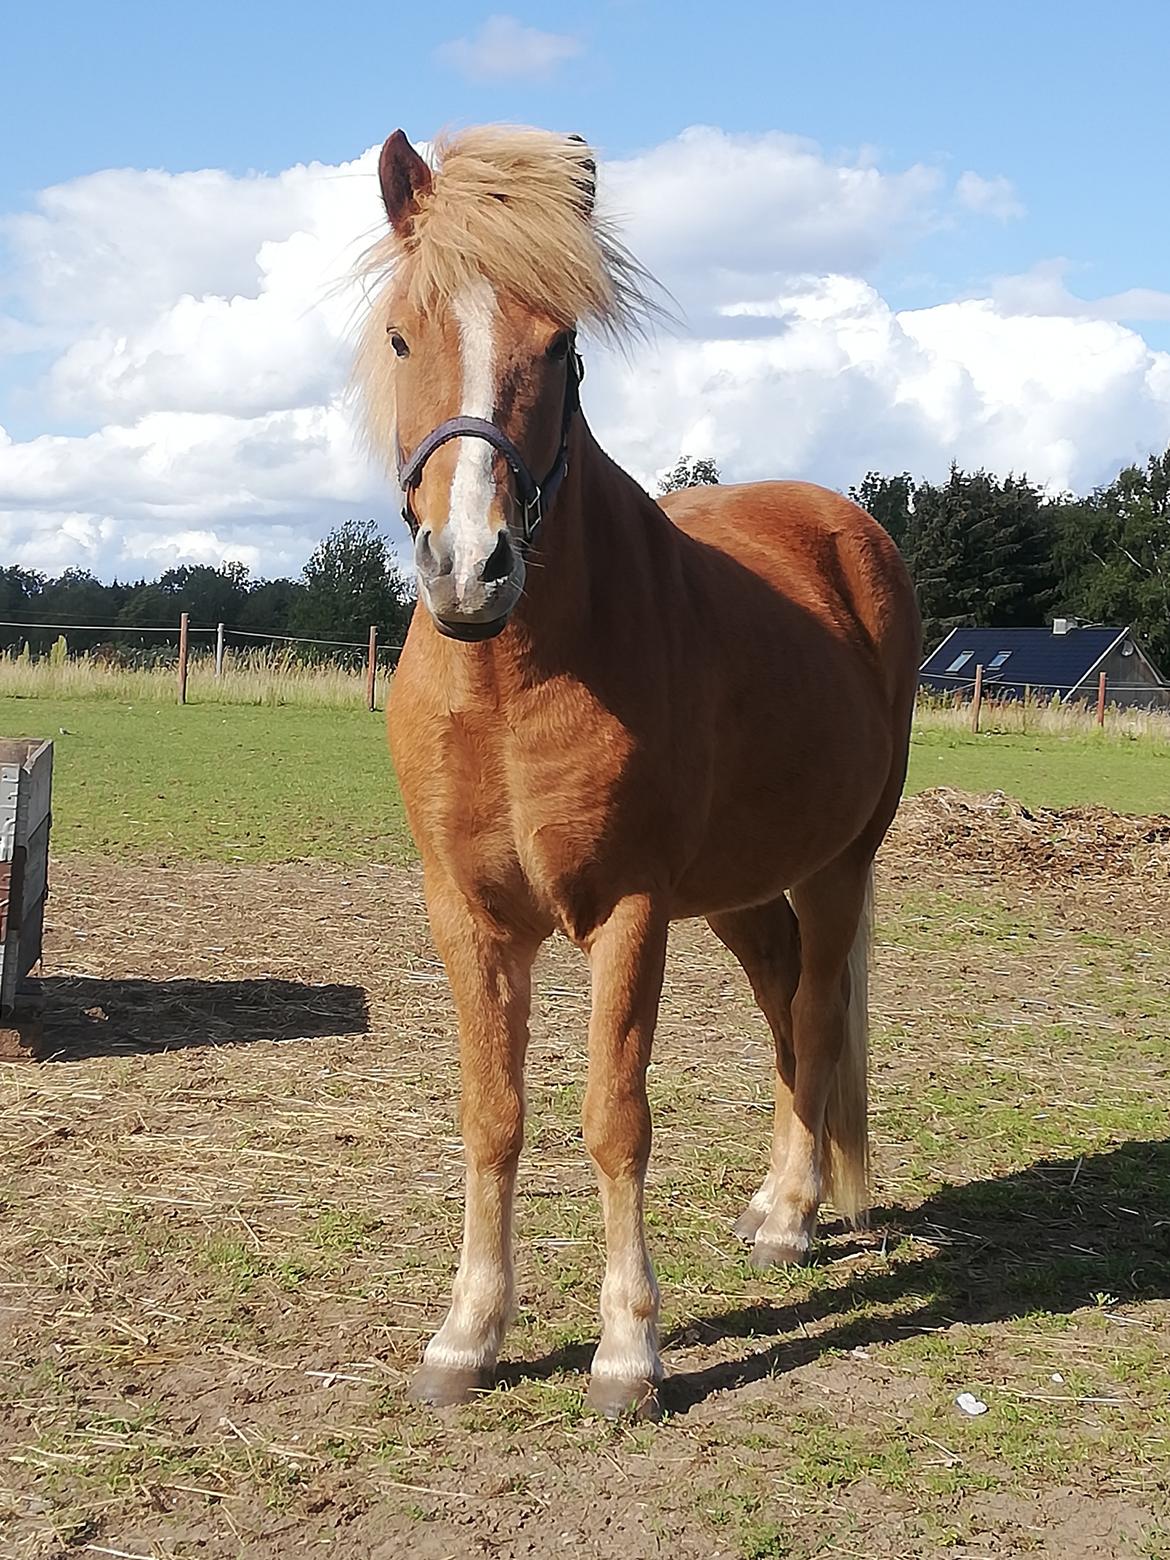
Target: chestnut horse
x=610, y=714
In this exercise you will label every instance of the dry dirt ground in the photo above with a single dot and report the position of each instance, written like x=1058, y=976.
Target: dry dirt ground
x=230, y=1208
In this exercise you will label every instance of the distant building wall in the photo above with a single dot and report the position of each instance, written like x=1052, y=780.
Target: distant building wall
x=1131, y=681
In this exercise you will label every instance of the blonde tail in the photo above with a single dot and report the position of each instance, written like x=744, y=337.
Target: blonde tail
x=846, y=1114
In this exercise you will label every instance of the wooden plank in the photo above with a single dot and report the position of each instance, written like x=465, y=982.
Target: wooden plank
x=26, y=783
x=38, y=770
x=32, y=938
x=36, y=868
x=10, y=971
x=9, y=808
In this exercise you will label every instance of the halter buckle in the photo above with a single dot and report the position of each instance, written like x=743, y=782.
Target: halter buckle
x=533, y=514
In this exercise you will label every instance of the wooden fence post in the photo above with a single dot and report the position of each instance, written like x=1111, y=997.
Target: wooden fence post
x=372, y=669
x=218, y=651
x=184, y=625
x=1101, y=700
x=977, y=698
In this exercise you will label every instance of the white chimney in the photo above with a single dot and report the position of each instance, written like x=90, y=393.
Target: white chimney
x=1060, y=625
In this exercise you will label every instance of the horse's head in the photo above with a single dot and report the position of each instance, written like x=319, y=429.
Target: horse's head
x=468, y=361
x=485, y=388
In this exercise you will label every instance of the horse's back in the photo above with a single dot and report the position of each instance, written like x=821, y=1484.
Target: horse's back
x=817, y=549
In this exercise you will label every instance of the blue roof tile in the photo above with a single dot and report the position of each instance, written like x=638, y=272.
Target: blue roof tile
x=1038, y=657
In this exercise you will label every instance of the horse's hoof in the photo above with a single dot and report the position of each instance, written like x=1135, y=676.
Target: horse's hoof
x=614, y=1398
x=444, y=1387
x=748, y=1223
x=771, y=1253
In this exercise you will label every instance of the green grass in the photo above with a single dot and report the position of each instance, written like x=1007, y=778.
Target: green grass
x=1127, y=774
x=237, y=783
x=217, y=782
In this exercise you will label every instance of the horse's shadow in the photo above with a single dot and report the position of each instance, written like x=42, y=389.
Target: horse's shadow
x=89, y=1017
x=1057, y=1236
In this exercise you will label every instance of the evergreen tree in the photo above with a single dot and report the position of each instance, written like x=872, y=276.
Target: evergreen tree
x=1114, y=554
x=981, y=553
x=890, y=500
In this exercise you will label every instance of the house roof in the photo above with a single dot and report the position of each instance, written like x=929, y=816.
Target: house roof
x=1036, y=657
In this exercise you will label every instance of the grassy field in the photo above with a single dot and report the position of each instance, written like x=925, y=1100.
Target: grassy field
x=229, y=1212
x=252, y=783
x=217, y=782
x=1046, y=769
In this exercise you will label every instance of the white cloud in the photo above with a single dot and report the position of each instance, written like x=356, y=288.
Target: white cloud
x=1042, y=291
x=196, y=331
x=846, y=384
x=717, y=215
x=503, y=49
x=187, y=487
x=989, y=197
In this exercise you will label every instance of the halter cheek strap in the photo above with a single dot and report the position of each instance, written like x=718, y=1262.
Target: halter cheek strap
x=535, y=497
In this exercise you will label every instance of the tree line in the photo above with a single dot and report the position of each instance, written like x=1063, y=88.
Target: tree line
x=350, y=583
x=984, y=551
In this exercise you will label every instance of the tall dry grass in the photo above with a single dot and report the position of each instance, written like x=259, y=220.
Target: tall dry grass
x=274, y=677
x=1044, y=716
x=262, y=677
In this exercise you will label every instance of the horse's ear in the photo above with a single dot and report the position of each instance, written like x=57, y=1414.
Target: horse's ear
x=404, y=177
x=587, y=183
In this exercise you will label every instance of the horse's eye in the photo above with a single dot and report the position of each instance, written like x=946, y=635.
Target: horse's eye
x=558, y=347
x=398, y=344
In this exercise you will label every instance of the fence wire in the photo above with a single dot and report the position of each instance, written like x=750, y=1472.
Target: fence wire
x=960, y=683
x=126, y=629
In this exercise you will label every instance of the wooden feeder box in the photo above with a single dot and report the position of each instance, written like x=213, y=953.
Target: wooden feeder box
x=26, y=789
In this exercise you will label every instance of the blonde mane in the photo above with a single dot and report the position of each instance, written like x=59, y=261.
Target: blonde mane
x=511, y=205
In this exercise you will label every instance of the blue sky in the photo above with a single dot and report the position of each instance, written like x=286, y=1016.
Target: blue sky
x=970, y=257
x=1069, y=100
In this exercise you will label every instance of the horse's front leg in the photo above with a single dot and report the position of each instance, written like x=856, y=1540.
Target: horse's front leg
x=627, y=956
x=490, y=975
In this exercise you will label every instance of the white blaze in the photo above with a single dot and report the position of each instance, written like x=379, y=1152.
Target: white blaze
x=472, y=487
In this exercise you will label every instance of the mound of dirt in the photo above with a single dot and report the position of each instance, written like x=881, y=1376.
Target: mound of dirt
x=996, y=833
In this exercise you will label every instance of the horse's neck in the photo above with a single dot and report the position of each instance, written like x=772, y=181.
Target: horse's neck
x=594, y=547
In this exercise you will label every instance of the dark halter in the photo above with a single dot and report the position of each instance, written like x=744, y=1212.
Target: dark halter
x=536, y=497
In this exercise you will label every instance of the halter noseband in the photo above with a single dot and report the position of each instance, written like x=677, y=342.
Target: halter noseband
x=536, y=497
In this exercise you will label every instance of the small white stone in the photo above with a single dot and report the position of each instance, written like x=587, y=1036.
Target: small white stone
x=970, y=1404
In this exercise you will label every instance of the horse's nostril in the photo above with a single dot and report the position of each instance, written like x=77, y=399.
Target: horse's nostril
x=429, y=565
x=502, y=561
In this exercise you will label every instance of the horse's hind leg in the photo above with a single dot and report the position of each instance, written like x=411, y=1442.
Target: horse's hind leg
x=766, y=941
x=827, y=1149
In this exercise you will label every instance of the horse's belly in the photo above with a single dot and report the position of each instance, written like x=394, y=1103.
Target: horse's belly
x=723, y=878
x=776, y=822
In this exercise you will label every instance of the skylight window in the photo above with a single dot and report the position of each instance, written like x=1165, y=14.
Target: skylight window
x=960, y=661
x=998, y=659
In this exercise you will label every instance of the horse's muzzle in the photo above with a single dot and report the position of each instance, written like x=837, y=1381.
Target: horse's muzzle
x=471, y=632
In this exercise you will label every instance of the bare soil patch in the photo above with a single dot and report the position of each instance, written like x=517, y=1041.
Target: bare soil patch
x=231, y=1207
